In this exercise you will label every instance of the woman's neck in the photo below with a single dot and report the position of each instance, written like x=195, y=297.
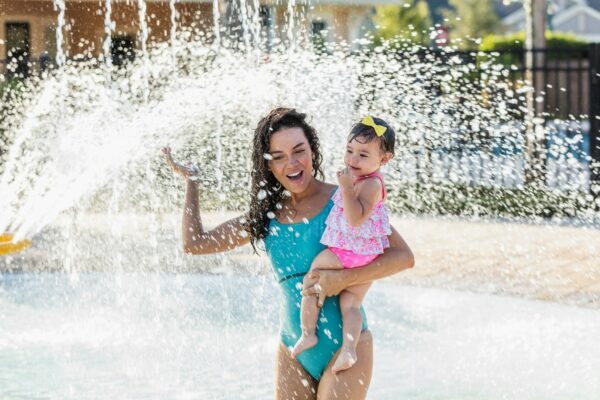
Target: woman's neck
x=313, y=188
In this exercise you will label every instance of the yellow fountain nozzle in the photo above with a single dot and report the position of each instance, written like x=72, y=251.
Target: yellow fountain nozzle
x=8, y=246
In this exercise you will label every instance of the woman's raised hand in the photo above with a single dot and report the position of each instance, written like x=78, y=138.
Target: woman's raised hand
x=188, y=171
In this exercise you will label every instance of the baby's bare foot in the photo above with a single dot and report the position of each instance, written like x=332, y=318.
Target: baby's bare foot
x=345, y=360
x=304, y=343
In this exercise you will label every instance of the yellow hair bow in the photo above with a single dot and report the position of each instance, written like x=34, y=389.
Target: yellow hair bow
x=379, y=129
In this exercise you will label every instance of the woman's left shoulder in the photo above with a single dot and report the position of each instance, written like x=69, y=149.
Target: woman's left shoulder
x=328, y=188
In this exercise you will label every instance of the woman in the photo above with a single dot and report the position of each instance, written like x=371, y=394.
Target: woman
x=288, y=206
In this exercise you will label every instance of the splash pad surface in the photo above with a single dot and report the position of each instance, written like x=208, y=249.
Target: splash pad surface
x=142, y=336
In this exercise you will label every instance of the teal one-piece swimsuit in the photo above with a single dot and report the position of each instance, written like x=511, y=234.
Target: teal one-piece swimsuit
x=292, y=248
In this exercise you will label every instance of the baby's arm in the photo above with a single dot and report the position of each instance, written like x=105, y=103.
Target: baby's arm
x=360, y=199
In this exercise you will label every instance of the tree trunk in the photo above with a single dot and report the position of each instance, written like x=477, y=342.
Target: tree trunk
x=535, y=138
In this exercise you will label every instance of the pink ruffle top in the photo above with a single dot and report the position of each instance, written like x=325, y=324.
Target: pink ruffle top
x=369, y=238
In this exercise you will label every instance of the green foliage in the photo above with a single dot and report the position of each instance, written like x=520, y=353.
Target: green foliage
x=9, y=85
x=410, y=21
x=9, y=90
x=516, y=41
x=471, y=19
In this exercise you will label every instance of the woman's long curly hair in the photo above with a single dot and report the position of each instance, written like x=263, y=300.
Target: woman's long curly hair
x=267, y=193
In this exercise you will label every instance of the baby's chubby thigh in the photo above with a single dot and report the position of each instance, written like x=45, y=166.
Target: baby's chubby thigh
x=326, y=259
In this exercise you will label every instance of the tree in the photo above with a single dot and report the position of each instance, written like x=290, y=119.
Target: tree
x=472, y=19
x=409, y=21
x=535, y=144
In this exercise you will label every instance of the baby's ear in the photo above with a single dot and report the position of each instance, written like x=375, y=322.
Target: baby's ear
x=387, y=156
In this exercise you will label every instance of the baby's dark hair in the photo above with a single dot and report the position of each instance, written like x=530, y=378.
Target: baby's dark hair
x=367, y=134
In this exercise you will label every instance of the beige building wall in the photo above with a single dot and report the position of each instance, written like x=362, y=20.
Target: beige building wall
x=344, y=22
x=84, y=31
x=84, y=22
x=38, y=14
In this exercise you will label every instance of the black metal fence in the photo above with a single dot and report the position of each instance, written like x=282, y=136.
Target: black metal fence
x=566, y=83
x=594, y=73
x=562, y=76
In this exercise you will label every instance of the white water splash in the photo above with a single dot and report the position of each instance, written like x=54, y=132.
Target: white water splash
x=108, y=29
x=59, y=5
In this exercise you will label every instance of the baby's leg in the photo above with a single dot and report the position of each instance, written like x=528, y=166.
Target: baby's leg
x=350, y=300
x=309, y=311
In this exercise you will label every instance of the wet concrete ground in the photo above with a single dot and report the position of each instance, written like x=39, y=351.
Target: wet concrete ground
x=546, y=262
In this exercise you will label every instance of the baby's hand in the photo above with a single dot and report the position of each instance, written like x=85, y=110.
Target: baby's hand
x=344, y=177
x=187, y=171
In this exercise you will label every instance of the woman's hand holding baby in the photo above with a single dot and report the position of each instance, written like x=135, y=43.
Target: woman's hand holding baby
x=325, y=283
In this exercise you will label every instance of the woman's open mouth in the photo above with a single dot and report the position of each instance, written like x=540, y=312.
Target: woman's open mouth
x=296, y=176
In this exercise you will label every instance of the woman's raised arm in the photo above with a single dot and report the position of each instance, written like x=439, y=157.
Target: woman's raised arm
x=196, y=240
x=396, y=258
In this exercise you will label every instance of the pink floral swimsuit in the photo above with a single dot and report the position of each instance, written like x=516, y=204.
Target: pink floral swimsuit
x=357, y=246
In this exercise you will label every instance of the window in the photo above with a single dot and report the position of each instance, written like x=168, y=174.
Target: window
x=267, y=25
x=319, y=35
x=121, y=49
x=266, y=16
x=17, y=49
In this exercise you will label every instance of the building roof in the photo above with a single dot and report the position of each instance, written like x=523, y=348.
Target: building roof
x=575, y=10
x=595, y=4
x=567, y=18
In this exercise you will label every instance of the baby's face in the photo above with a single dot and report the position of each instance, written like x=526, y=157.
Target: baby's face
x=364, y=157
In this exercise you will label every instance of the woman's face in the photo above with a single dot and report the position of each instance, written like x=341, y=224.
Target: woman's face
x=291, y=162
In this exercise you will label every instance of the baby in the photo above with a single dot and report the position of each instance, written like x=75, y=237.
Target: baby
x=356, y=233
